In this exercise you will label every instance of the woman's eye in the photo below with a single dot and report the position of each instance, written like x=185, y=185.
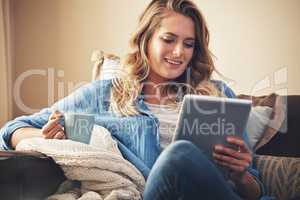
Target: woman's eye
x=168, y=40
x=189, y=44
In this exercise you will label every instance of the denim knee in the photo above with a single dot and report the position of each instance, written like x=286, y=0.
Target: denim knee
x=182, y=153
x=182, y=146
x=183, y=171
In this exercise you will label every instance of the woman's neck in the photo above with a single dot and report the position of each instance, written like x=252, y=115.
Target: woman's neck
x=152, y=94
x=155, y=94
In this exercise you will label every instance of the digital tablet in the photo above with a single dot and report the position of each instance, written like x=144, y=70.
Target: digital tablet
x=207, y=121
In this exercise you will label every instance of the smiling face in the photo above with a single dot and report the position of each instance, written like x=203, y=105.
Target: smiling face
x=171, y=47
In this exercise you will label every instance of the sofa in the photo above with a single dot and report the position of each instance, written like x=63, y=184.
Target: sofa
x=276, y=151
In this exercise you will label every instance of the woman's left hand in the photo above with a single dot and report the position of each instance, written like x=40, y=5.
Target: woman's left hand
x=237, y=161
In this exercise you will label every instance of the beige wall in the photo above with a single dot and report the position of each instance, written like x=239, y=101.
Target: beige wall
x=251, y=39
x=257, y=43
x=5, y=62
x=3, y=69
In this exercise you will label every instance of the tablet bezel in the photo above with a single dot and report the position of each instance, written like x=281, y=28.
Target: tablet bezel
x=244, y=107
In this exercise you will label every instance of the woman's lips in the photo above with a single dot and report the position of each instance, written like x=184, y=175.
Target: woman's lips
x=173, y=61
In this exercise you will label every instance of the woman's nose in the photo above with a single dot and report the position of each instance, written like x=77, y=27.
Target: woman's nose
x=178, y=50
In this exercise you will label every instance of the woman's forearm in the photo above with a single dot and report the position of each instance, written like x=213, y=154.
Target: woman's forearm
x=24, y=133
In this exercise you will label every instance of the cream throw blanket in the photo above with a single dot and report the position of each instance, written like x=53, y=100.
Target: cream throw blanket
x=103, y=172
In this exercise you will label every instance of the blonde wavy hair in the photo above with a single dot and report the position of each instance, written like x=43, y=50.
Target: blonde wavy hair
x=135, y=68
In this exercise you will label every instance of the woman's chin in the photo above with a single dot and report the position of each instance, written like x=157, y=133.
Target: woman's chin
x=172, y=76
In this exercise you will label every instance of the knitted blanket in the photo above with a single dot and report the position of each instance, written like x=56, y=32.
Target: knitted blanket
x=103, y=172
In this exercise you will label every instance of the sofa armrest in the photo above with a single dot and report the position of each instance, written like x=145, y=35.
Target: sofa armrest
x=28, y=175
x=280, y=175
x=9, y=154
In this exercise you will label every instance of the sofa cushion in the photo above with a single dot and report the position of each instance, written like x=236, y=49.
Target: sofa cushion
x=106, y=66
x=286, y=143
x=281, y=176
x=259, y=118
x=278, y=118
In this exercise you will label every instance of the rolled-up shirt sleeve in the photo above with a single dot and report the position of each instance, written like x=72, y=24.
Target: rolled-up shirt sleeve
x=37, y=120
x=82, y=100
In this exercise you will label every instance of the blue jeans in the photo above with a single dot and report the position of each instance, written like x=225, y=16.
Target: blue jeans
x=183, y=172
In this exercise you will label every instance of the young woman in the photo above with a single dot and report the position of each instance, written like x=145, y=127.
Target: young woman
x=169, y=58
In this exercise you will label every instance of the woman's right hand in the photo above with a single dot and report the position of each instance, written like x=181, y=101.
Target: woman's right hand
x=53, y=130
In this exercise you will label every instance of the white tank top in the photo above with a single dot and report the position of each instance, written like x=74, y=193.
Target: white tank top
x=167, y=116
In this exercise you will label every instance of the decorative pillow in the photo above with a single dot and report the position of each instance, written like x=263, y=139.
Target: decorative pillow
x=278, y=121
x=267, y=100
x=258, y=119
x=106, y=66
x=278, y=117
x=280, y=175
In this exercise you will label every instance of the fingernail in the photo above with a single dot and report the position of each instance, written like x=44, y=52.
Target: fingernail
x=217, y=147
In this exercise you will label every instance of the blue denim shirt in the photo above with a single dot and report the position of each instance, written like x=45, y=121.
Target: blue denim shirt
x=137, y=136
